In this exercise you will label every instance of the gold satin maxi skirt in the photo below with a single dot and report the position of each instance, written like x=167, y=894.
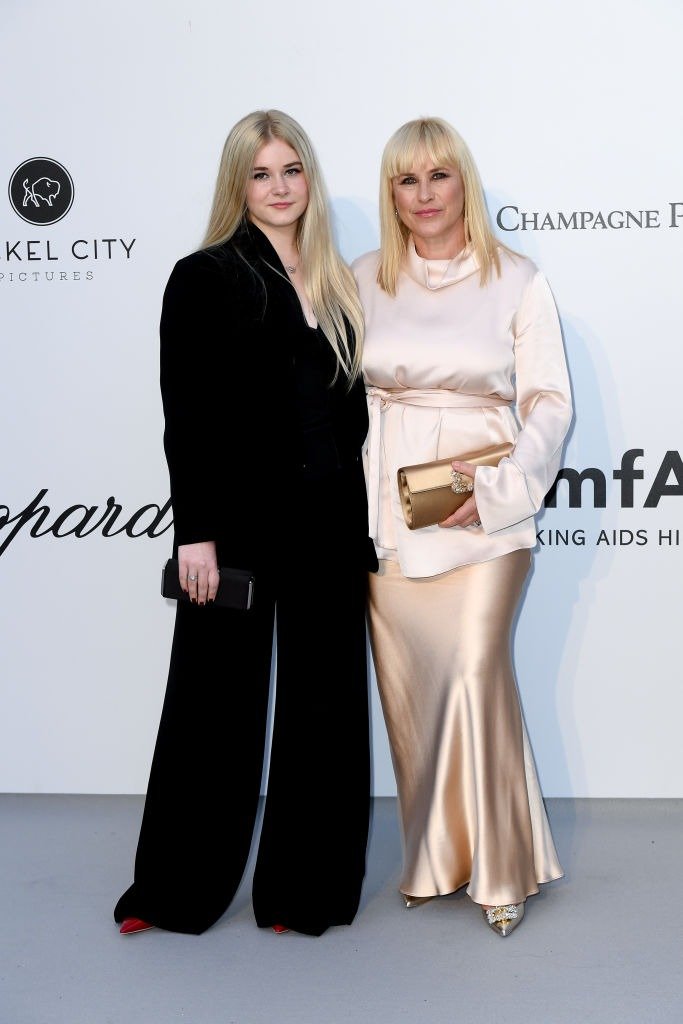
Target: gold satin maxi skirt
x=469, y=799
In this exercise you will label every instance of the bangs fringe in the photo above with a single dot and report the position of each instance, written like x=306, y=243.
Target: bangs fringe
x=409, y=146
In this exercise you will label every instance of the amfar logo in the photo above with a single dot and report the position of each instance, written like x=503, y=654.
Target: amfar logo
x=41, y=191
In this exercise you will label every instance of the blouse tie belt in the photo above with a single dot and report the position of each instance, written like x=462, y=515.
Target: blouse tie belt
x=381, y=398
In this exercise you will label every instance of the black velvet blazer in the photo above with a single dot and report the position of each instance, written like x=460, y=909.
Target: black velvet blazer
x=231, y=333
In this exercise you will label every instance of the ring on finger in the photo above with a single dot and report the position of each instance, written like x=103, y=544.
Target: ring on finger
x=192, y=579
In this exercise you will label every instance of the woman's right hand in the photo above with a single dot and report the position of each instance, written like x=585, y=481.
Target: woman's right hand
x=198, y=570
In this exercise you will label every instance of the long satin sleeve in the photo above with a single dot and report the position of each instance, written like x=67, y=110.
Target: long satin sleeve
x=515, y=489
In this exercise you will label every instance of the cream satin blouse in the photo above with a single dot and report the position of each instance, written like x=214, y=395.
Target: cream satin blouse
x=452, y=367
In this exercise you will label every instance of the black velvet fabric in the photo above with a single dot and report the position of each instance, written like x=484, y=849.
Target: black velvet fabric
x=237, y=358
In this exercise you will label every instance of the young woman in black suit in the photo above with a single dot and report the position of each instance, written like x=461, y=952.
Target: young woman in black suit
x=265, y=416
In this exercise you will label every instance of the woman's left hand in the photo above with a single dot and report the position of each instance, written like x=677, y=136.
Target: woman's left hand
x=467, y=514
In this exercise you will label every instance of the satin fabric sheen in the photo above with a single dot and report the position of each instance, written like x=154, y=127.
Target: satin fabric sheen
x=470, y=803
x=453, y=366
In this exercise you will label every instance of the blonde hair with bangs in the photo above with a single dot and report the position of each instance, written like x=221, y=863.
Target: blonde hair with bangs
x=328, y=280
x=445, y=148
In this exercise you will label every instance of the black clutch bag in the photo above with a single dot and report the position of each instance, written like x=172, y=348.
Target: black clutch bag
x=235, y=590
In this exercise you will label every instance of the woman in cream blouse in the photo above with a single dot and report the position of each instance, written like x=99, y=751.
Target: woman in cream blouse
x=463, y=350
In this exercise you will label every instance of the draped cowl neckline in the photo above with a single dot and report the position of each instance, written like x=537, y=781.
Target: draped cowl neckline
x=436, y=274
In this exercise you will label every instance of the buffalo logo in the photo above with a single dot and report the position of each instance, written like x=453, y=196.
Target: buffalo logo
x=41, y=191
x=48, y=191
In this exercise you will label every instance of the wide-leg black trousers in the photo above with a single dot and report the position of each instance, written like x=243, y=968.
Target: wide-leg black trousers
x=204, y=785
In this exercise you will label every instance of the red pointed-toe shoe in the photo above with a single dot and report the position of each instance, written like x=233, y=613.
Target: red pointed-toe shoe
x=280, y=929
x=131, y=925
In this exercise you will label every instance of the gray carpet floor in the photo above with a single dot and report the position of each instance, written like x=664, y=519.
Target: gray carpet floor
x=601, y=945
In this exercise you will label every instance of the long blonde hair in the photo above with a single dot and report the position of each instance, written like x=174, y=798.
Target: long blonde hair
x=328, y=280
x=446, y=148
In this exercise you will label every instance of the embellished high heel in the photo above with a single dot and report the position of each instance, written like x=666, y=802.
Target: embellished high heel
x=131, y=925
x=415, y=901
x=503, y=919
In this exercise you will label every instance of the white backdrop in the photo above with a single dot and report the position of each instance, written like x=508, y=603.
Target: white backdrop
x=567, y=108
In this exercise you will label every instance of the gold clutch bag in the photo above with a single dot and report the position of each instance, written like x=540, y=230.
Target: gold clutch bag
x=430, y=492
